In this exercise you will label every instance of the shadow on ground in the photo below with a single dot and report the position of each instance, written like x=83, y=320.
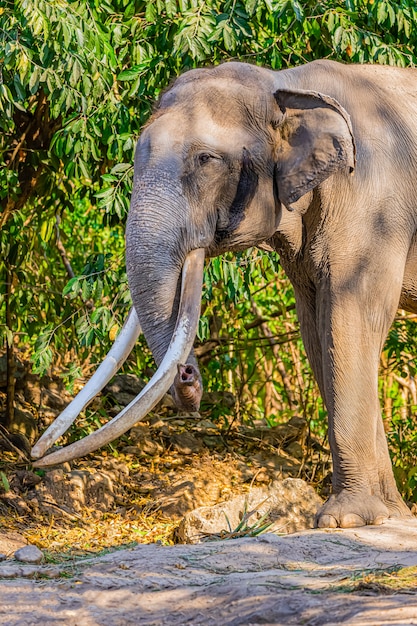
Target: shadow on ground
x=313, y=577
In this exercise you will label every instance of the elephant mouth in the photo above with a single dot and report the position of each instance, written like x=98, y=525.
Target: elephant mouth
x=178, y=350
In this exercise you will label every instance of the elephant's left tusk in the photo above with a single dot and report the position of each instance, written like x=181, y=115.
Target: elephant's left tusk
x=117, y=355
x=178, y=351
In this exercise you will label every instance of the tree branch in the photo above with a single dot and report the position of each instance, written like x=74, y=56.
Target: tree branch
x=61, y=248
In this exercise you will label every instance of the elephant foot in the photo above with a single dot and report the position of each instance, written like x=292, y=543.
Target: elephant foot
x=187, y=388
x=397, y=507
x=348, y=510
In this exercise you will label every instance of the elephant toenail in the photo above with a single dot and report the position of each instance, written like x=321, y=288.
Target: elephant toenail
x=326, y=521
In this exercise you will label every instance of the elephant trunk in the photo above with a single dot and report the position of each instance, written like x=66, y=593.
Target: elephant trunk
x=153, y=269
x=157, y=242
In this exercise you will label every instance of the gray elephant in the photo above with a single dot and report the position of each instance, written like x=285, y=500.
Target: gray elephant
x=320, y=162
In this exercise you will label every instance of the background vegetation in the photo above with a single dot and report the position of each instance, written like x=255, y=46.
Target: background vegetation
x=77, y=82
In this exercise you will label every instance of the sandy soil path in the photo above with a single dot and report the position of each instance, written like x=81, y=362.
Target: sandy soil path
x=298, y=579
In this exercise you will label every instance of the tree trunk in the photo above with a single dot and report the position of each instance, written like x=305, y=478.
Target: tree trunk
x=10, y=358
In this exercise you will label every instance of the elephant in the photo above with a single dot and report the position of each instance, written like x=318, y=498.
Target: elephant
x=318, y=162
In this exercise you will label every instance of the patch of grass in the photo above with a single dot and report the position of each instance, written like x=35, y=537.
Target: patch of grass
x=243, y=529
x=391, y=580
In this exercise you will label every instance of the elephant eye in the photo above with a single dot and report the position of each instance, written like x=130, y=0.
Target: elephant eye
x=204, y=158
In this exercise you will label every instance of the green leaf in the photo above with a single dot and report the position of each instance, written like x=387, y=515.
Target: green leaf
x=150, y=13
x=250, y=6
x=4, y=482
x=76, y=73
x=72, y=285
x=85, y=290
x=9, y=336
x=338, y=34
x=132, y=73
x=105, y=193
x=47, y=229
x=382, y=11
x=34, y=80
x=171, y=7
x=121, y=167
x=298, y=10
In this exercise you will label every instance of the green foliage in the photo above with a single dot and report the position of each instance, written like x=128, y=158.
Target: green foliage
x=4, y=482
x=77, y=83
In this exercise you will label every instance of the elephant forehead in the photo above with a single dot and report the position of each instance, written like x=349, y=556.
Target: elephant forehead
x=222, y=136
x=221, y=102
x=166, y=132
x=177, y=130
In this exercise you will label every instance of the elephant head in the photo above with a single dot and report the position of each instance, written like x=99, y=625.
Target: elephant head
x=226, y=151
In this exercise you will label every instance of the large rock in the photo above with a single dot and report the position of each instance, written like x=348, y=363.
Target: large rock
x=290, y=505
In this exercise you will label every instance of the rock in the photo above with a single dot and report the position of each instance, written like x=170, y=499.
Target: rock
x=281, y=435
x=123, y=398
x=213, y=442
x=19, y=571
x=295, y=449
x=167, y=402
x=216, y=398
x=10, y=571
x=55, y=399
x=156, y=423
x=276, y=464
x=206, y=426
x=64, y=493
x=291, y=505
x=146, y=443
x=29, y=554
x=125, y=383
x=24, y=480
x=186, y=443
x=329, y=576
x=145, y=447
x=180, y=499
x=125, y=387
x=3, y=557
x=16, y=502
x=149, y=447
x=138, y=432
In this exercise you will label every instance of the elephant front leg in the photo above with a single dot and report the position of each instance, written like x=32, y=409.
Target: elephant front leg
x=351, y=334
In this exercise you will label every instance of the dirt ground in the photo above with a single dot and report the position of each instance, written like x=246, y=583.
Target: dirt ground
x=106, y=526
x=364, y=576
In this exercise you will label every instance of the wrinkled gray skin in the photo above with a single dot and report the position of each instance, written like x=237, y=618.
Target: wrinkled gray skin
x=237, y=155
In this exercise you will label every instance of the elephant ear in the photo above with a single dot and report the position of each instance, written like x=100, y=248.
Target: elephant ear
x=316, y=141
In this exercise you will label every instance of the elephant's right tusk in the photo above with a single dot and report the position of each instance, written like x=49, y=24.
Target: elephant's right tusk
x=178, y=351
x=117, y=355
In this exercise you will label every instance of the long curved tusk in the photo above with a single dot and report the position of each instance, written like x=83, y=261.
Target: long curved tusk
x=117, y=355
x=179, y=349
